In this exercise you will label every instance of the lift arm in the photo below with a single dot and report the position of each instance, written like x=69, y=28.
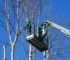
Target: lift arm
x=62, y=29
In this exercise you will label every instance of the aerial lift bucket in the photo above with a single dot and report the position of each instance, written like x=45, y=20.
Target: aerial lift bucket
x=38, y=42
x=35, y=40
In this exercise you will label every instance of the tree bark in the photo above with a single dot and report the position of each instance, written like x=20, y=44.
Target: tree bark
x=30, y=52
x=12, y=52
x=4, y=47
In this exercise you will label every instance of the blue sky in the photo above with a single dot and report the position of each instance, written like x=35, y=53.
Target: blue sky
x=59, y=12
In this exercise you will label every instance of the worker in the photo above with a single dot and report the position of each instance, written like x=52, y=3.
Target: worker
x=44, y=28
x=27, y=27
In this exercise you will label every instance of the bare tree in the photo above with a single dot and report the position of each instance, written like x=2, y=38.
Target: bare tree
x=35, y=12
x=13, y=43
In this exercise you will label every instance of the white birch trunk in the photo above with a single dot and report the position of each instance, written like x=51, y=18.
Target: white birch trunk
x=4, y=48
x=44, y=54
x=34, y=53
x=48, y=56
x=12, y=52
x=30, y=52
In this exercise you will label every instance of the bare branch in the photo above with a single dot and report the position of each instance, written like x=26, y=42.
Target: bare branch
x=18, y=19
x=4, y=12
x=25, y=8
x=7, y=20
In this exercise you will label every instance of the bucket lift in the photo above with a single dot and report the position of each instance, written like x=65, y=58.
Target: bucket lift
x=37, y=38
x=36, y=41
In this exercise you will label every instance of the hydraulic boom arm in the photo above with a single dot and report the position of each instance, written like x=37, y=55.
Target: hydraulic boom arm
x=62, y=29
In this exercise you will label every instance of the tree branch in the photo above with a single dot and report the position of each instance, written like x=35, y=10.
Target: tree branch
x=6, y=16
x=7, y=20
x=18, y=20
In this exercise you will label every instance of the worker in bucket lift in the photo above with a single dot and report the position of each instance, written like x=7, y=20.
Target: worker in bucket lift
x=43, y=30
x=27, y=27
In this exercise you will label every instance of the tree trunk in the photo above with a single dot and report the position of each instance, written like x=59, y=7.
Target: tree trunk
x=12, y=52
x=44, y=55
x=30, y=52
x=47, y=56
x=34, y=53
x=4, y=47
